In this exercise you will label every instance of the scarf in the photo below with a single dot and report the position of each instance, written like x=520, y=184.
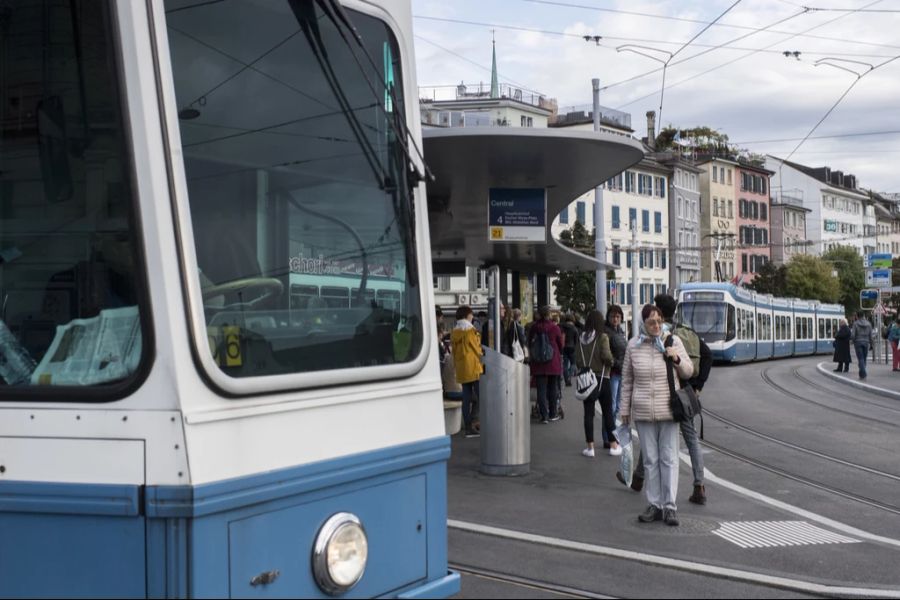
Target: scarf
x=657, y=341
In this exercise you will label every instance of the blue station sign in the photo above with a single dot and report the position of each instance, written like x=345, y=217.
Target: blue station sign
x=517, y=215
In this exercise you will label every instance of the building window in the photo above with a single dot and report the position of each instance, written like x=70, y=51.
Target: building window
x=632, y=218
x=729, y=176
x=715, y=207
x=616, y=255
x=662, y=259
x=579, y=213
x=564, y=216
x=641, y=260
x=730, y=209
x=763, y=212
x=661, y=187
x=645, y=221
x=657, y=222
x=629, y=181
x=679, y=203
x=715, y=174
x=616, y=222
x=628, y=260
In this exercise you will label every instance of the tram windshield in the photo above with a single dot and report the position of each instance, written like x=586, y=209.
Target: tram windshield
x=69, y=270
x=713, y=321
x=295, y=153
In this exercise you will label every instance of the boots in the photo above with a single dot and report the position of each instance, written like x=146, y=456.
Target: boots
x=637, y=483
x=699, y=495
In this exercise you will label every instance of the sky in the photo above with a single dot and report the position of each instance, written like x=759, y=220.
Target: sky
x=746, y=88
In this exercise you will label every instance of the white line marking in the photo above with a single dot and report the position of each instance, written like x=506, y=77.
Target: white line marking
x=674, y=563
x=769, y=534
x=810, y=516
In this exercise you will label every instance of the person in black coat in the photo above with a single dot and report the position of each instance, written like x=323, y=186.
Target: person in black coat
x=842, y=348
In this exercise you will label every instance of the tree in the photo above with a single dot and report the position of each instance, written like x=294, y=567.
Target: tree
x=770, y=279
x=809, y=278
x=579, y=238
x=575, y=291
x=851, y=275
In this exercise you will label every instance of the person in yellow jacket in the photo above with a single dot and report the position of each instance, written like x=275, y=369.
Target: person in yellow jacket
x=465, y=342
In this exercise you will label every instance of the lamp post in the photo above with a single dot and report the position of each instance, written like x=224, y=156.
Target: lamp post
x=664, y=63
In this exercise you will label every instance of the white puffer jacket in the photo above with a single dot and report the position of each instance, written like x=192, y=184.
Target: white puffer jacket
x=645, y=387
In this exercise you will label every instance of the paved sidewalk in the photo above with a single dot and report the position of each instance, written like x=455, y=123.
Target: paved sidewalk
x=529, y=525
x=880, y=378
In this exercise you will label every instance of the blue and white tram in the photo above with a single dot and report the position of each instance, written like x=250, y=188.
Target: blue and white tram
x=177, y=418
x=741, y=326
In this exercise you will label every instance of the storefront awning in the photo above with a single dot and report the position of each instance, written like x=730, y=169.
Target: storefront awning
x=468, y=162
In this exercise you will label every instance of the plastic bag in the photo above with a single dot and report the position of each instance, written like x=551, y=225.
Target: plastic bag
x=626, y=460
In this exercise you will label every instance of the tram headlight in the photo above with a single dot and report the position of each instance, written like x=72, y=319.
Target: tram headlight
x=340, y=553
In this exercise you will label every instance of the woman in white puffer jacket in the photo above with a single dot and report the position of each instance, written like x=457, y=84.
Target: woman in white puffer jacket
x=646, y=402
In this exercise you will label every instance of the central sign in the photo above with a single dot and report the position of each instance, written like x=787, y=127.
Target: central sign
x=517, y=215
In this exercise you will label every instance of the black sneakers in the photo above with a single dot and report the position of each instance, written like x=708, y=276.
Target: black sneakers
x=670, y=517
x=651, y=514
x=472, y=433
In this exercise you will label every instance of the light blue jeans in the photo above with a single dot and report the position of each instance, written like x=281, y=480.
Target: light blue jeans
x=659, y=445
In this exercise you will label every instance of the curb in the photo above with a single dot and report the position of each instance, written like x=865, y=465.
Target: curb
x=824, y=370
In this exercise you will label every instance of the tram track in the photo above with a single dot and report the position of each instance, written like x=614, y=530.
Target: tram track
x=892, y=508
x=831, y=391
x=564, y=591
x=768, y=380
x=798, y=448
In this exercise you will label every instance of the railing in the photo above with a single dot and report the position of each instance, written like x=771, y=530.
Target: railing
x=482, y=91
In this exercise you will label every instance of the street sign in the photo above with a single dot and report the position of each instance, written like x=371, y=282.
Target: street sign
x=868, y=299
x=878, y=261
x=517, y=215
x=879, y=278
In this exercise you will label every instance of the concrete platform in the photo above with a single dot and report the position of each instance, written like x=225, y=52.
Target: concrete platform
x=570, y=511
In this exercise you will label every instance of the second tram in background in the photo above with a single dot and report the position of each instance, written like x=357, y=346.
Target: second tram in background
x=740, y=325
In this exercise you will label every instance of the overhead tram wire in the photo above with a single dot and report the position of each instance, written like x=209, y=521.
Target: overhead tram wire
x=683, y=19
x=859, y=77
x=822, y=137
x=716, y=68
x=631, y=39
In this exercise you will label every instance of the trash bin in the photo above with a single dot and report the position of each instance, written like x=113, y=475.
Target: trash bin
x=505, y=414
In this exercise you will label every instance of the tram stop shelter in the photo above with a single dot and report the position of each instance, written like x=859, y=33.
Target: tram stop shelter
x=473, y=166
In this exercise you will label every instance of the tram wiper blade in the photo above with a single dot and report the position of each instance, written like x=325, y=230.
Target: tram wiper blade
x=335, y=12
x=306, y=18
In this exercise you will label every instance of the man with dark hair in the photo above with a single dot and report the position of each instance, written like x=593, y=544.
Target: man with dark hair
x=667, y=304
x=862, y=334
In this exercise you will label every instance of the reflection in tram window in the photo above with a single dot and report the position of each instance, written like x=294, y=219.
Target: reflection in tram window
x=70, y=307
x=298, y=187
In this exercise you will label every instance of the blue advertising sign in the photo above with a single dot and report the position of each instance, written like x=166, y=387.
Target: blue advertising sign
x=517, y=215
x=878, y=261
x=878, y=278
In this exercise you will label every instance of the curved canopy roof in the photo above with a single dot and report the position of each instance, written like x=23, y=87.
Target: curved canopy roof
x=468, y=162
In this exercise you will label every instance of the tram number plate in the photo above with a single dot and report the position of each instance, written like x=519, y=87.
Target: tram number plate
x=225, y=345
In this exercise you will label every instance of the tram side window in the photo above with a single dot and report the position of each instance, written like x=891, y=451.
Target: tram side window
x=298, y=184
x=69, y=268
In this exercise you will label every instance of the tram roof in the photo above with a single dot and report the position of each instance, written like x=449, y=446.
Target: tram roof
x=468, y=162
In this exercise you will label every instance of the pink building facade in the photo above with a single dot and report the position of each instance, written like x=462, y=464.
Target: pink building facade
x=753, y=220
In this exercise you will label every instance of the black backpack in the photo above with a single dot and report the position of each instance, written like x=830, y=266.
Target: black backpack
x=540, y=350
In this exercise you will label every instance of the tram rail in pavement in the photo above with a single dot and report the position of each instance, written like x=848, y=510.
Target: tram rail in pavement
x=568, y=505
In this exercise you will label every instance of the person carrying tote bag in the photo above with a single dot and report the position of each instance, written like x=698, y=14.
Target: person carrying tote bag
x=646, y=403
x=593, y=353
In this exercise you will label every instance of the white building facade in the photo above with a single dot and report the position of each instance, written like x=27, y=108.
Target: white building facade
x=839, y=213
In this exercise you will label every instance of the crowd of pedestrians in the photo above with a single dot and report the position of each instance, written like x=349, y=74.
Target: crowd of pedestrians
x=628, y=380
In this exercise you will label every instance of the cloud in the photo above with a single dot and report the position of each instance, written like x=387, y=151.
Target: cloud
x=753, y=96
